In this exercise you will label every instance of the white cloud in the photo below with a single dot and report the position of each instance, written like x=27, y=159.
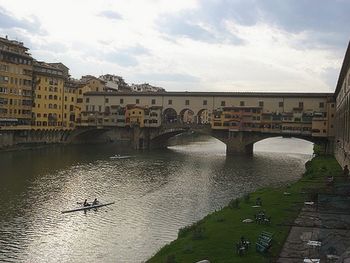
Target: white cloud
x=269, y=58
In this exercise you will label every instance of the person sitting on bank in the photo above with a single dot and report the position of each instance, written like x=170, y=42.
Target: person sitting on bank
x=95, y=202
x=86, y=203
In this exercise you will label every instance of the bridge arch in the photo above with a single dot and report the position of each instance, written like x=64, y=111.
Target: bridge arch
x=187, y=116
x=203, y=116
x=283, y=144
x=243, y=142
x=88, y=134
x=170, y=115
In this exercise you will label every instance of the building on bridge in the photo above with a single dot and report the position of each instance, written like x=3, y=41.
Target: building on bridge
x=342, y=95
x=281, y=113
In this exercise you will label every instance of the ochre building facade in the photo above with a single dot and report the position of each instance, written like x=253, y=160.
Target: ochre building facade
x=16, y=66
x=342, y=95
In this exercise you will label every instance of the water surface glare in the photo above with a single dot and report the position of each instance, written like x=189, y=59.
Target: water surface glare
x=155, y=194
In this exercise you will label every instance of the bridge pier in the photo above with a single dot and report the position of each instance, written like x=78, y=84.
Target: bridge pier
x=239, y=143
x=238, y=149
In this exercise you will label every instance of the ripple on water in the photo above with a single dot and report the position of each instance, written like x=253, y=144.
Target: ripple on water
x=156, y=193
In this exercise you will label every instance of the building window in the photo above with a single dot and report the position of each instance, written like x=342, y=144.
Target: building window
x=87, y=100
x=187, y=102
x=223, y=103
x=332, y=105
x=205, y=102
x=321, y=104
x=261, y=104
x=170, y=102
x=121, y=101
x=241, y=103
x=153, y=101
x=106, y=100
x=280, y=104
x=137, y=101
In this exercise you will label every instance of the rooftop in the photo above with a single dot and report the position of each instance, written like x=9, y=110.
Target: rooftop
x=215, y=94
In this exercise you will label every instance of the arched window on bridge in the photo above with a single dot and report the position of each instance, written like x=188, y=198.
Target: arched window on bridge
x=203, y=117
x=169, y=116
x=187, y=116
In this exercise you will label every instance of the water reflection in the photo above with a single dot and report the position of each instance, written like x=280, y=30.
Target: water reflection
x=156, y=193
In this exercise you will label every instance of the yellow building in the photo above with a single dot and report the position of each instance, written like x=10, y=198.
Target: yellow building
x=49, y=93
x=88, y=83
x=237, y=118
x=71, y=89
x=15, y=85
x=134, y=116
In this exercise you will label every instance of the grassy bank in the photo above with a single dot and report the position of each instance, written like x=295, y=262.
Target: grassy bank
x=214, y=237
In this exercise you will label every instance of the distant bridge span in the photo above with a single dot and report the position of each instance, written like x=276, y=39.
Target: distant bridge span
x=239, y=119
x=237, y=142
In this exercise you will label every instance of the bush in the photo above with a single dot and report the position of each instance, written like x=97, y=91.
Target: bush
x=188, y=249
x=170, y=259
x=219, y=219
x=246, y=198
x=187, y=229
x=234, y=203
x=319, y=149
x=198, y=233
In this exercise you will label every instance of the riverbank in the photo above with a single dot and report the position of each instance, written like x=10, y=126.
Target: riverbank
x=214, y=237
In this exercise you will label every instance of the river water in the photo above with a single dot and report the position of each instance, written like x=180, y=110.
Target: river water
x=155, y=194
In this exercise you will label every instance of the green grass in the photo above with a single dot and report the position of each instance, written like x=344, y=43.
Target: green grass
x=214, y=237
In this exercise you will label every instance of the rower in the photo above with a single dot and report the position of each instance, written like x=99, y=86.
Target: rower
x=86, y=203
x=95, y=202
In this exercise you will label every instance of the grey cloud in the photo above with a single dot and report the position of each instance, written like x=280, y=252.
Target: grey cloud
x=110, y=15
x=128, y=56
x=170, y=77
x=136, y=50
x=330, y=76
x=184, y=25
x=319, y=17
x=32, y=25
x=123, y=59
x=179, y=27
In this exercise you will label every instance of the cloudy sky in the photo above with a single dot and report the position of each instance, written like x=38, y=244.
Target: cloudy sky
x=193, y=45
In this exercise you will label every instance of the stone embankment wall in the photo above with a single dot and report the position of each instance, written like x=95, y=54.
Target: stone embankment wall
x=12, y=140
x=22, y=139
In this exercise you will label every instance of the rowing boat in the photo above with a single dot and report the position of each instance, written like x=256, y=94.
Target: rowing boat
x=87, y=207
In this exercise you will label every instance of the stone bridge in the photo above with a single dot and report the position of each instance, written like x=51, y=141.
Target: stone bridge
x=237, y=142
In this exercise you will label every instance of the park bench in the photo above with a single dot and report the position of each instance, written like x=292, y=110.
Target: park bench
x=264, y=242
